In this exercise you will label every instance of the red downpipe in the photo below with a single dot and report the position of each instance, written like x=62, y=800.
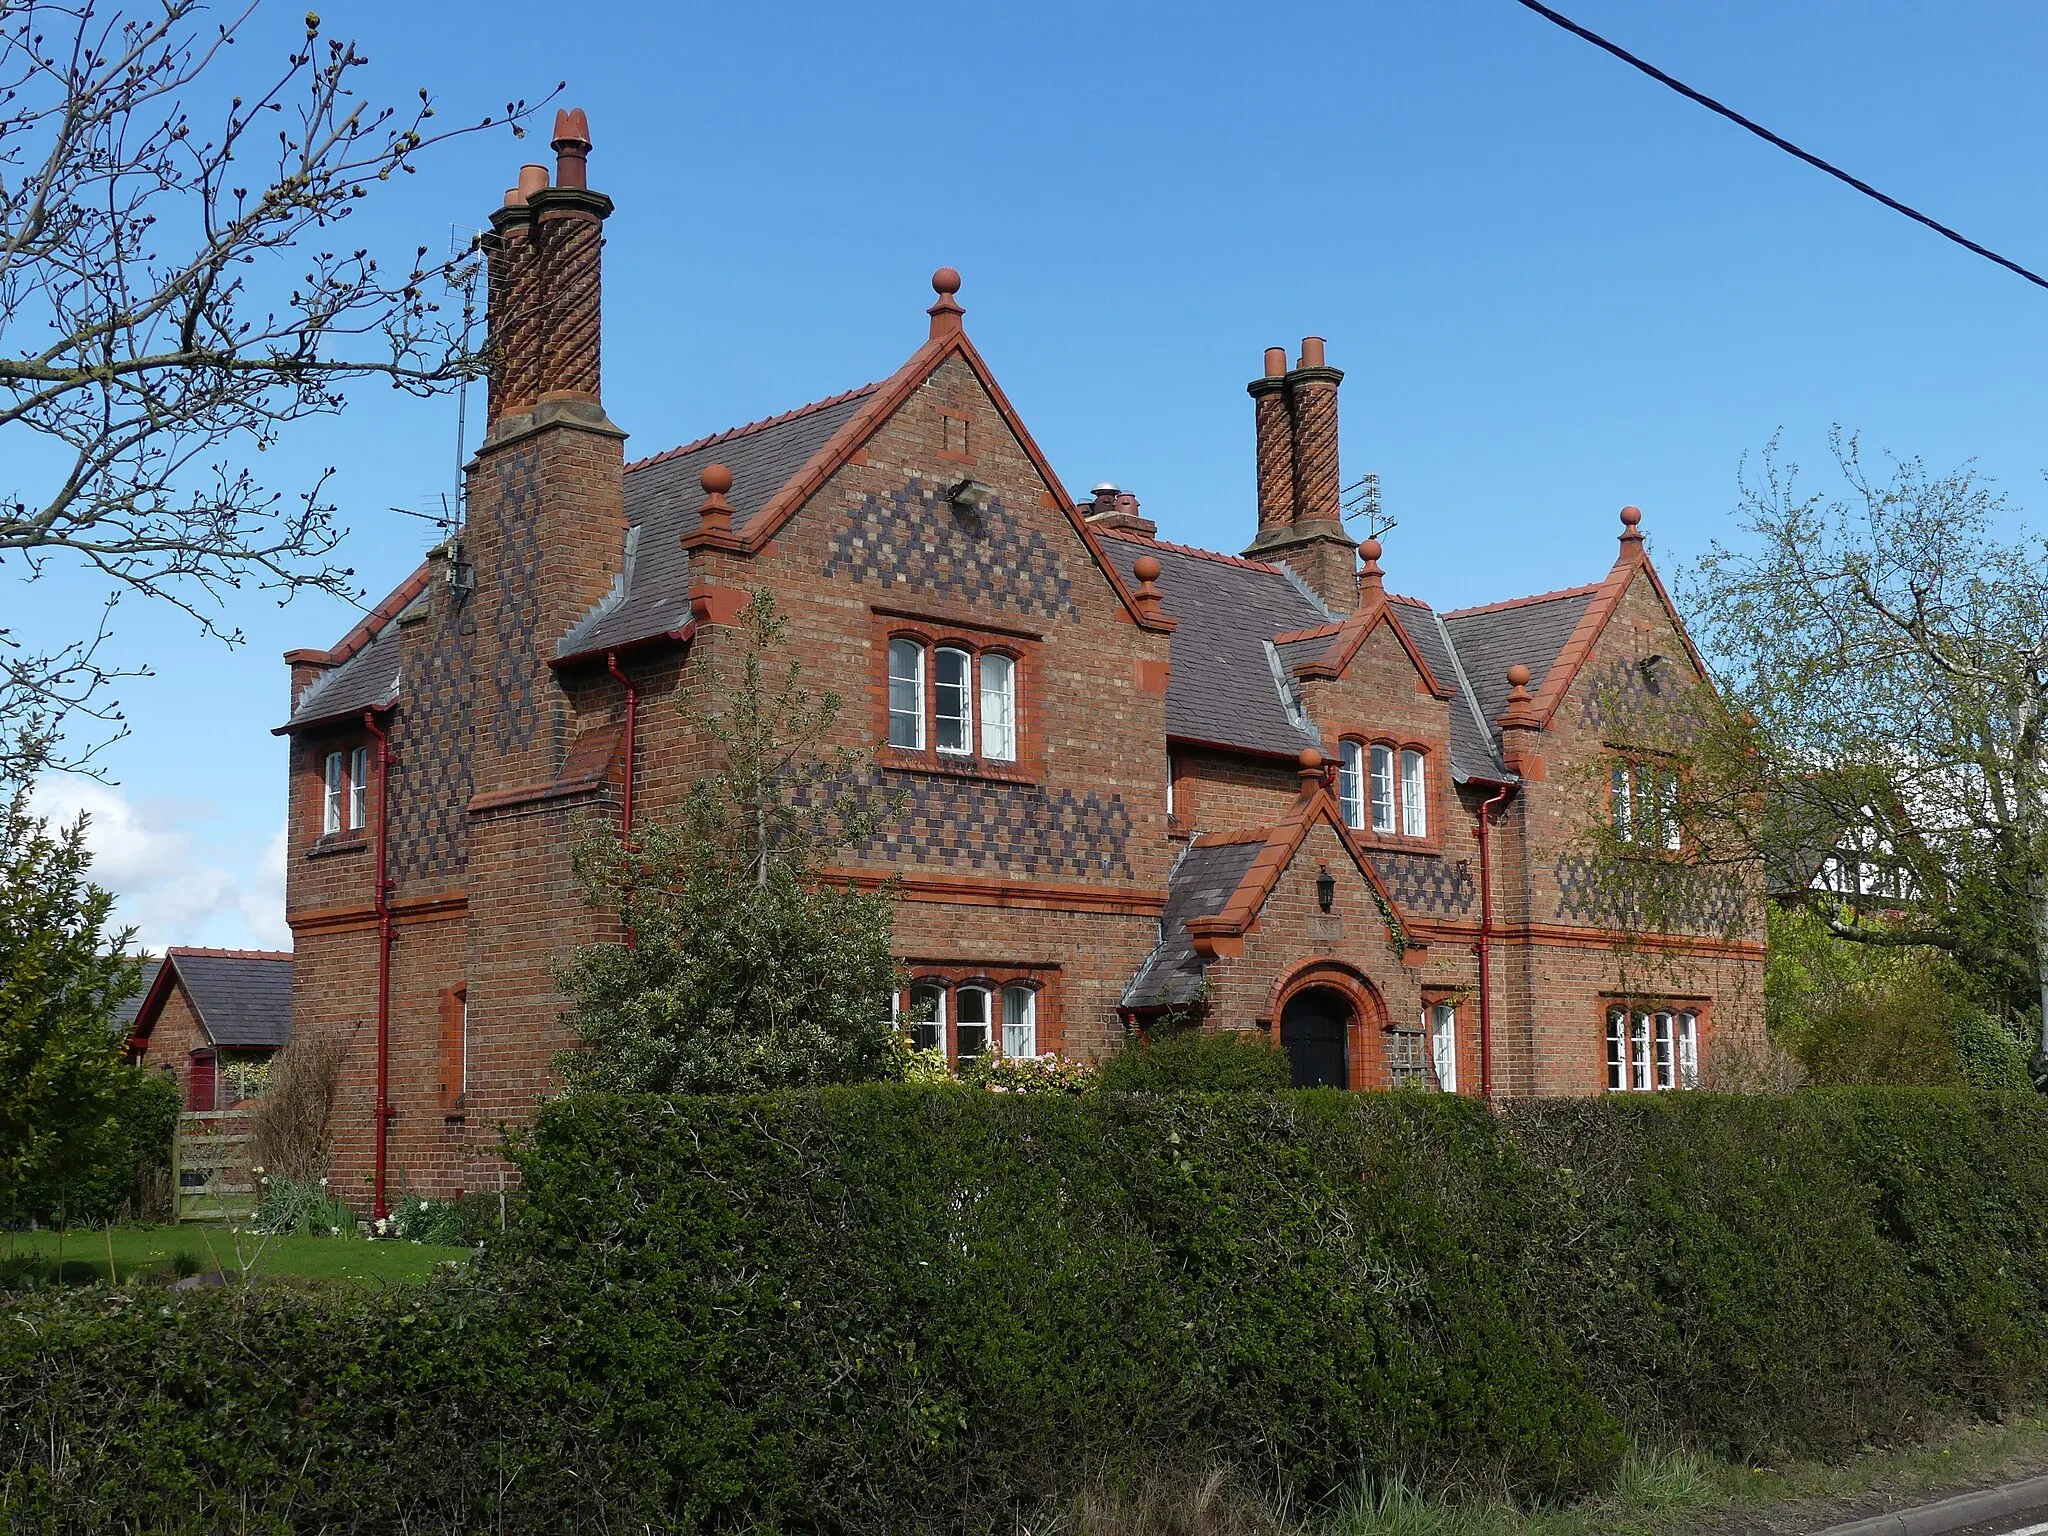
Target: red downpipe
x=611, y=664
x=1485, y=944
x=378, y=1209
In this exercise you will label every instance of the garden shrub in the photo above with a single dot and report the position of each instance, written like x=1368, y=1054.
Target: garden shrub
x=889, y=1309
x=1197, y=1061
x=120, y=1169
x=300, y=1207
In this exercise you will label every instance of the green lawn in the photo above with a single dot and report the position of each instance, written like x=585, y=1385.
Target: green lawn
x=197, y=1247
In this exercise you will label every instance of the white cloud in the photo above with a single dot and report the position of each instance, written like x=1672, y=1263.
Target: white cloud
x=173, y=887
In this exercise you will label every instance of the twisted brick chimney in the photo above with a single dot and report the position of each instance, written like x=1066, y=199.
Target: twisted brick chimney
x=546, y=529
x=1301, y=517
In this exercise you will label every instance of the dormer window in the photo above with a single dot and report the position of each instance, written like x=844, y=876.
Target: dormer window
x=1384, y=789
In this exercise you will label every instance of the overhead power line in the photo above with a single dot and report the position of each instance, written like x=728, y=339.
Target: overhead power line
x=1785, y=144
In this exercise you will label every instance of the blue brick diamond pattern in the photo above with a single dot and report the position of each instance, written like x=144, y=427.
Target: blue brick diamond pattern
x=1694, y=900
x=516, y=578
x=916, y=539
x=1011, y=829
x=1420, y=884
x=430, y=789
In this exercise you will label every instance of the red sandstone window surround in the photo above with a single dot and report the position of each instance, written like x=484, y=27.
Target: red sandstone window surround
x=974, y=1011
x=1386, y=789
x=956, y=698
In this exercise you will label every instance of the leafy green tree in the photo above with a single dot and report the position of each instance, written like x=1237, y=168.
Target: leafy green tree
x=741, y=968
x=62, y=974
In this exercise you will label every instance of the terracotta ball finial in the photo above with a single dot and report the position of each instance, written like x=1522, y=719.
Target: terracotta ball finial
x=1311, y=760
x=1147, y=569
x=946, y=281
x=1631, y=516
x=1518, y=676
x=1369, y=549
x=716, y=479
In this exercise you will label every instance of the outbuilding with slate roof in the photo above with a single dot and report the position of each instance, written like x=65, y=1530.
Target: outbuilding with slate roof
x=211, y=1019
x=1133, y=784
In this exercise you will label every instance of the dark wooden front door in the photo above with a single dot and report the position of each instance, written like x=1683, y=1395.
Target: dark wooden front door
x=1313, y=1029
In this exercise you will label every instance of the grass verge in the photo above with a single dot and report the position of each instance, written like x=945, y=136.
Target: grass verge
x=166, y=1252
x=1663, y=1493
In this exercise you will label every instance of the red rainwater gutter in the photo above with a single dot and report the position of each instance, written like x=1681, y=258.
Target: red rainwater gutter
x=1484, y=947
x=378, y=1210
x=611, y=665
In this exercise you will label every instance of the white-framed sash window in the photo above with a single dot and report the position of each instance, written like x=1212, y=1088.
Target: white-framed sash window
x=953, y=699
x=359, y=787
x=1414, y=795
x=906, y=694
x=998, y=707
x=971, y=1023
x=1652, y=1049
x=1351, y=785
x=1020, y=1021
x=332, y=808
x=1382, y=789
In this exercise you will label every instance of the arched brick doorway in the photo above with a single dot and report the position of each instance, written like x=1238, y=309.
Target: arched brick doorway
x=1315, y=1031
x=1305, y=1003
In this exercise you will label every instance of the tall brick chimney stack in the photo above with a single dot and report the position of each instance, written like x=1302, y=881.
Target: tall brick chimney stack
x=547, y=521
x=1301, y=516
x=545, y=535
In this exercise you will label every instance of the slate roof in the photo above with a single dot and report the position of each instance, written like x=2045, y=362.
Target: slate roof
x=243, y=997
x=125, y=1011
x=1529, y=630
x=367, y=680
x=1201, y=884
x=1222, y=687
x=1473, y=750
x=662, y=496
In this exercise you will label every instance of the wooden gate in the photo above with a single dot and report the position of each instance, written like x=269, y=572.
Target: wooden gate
x=211, y=1169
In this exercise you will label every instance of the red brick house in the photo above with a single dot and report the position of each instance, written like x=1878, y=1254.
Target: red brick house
x=1139, y=776
x=210, y=1020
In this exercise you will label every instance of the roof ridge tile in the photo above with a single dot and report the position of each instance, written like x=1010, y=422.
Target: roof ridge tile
x=1524, y=602
x=183, y=951
x=753, y=426
x=1127, y=537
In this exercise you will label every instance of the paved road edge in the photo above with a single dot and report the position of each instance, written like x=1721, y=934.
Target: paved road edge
x=1950, y=1514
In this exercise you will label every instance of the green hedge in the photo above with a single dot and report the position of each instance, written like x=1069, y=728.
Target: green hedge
x=1198, y=1061
x=885, y=1309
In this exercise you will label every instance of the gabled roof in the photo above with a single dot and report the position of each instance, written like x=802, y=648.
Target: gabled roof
x=129, y=1006
x=1474, y=754
x=1528, y=630
x=367, y=680
x=1218, y=886
x=243, y=997
x=651, y=598
x=1222, y=689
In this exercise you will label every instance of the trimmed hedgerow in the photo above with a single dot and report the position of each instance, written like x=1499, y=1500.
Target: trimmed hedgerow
x=882, y=1309
x=1197, y=1061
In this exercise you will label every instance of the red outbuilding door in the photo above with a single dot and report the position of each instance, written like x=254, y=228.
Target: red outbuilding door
x=201, y=1079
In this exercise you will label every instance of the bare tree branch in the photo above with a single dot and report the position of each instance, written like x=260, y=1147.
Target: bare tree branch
x=174, y=294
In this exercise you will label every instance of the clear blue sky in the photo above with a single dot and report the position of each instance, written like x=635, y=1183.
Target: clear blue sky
x=1555, y=287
